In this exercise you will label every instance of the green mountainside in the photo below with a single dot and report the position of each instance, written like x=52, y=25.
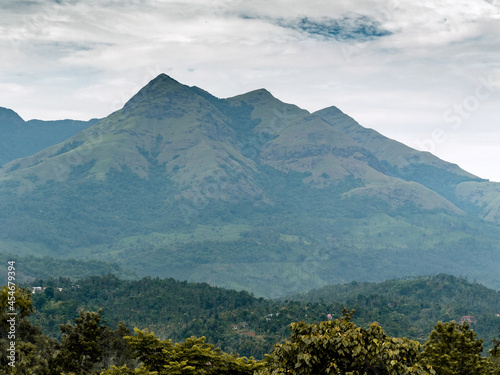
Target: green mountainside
x=19, y=138
x=240, y=323
x=248, y=193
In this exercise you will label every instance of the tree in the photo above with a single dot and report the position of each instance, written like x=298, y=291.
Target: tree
x=339, y=347
x=89, y=346
x=495, y=356
x=192, y=357
x=33, y=350
x=15, y=299
x=117, y=348
x=124, y=370
x=452, y=349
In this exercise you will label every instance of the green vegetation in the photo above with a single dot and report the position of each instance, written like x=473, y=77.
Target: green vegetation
x=234, y=321
x=85, y=348
x=411, y=307
x=238, y=322
x=305, y=239
x=338, y=346
x=193, y=357
x=252, y=194
x=452, y=349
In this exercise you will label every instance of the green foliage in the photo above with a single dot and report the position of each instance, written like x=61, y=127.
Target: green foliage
x=176, y=310
x=89, y=346
x=124, y=370
x=495, y=351
x=193, y=357
x=452, y=349
x=81, y=344
x=33, y=350
x=494, y=358
x=411, y=307
x=15, y=300
x=339, y=347
x=238, y=322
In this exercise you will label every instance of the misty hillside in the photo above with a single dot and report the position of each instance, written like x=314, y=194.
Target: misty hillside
x=19, y=138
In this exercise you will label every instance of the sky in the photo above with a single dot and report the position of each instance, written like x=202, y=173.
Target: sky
x=424, y=73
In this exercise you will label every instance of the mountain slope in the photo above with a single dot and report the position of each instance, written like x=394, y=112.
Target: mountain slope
x=484, y=196
x=138, y=138
x=246, y=192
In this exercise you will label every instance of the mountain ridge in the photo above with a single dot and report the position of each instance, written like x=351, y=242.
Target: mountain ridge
x=248, y=192
x=23, y=138
x=9, y=115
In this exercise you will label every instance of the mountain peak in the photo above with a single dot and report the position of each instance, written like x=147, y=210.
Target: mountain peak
x=256, y=96
x=330, y=111
x=161, y=95
x=163, y=79
x=157, y=86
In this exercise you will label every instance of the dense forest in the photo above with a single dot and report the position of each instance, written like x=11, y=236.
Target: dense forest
x=89, y=345
x=241, y=323
x=410, y=307
x=177, y=316
x=235, y=321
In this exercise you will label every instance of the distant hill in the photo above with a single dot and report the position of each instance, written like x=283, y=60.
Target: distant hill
x=19, y=138
x=235, y=321
x=248, y=193
x=239, y=322
x=46, y=267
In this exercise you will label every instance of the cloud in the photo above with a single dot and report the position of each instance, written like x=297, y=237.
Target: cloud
x=348, y=28
x=10, y=89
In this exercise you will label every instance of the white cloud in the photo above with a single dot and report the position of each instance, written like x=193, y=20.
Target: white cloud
x=12, y=89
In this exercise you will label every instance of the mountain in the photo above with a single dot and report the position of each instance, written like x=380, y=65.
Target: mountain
x=249, y=193
x=20, y=138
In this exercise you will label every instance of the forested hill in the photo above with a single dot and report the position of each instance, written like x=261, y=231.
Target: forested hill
x=410, y=306
x=239, y=322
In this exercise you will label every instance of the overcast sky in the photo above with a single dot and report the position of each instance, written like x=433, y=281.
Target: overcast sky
x=425, y=73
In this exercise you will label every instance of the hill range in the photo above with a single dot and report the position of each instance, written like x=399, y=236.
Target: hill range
x=21, y=138
x=241, y=323
x=246, y=192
